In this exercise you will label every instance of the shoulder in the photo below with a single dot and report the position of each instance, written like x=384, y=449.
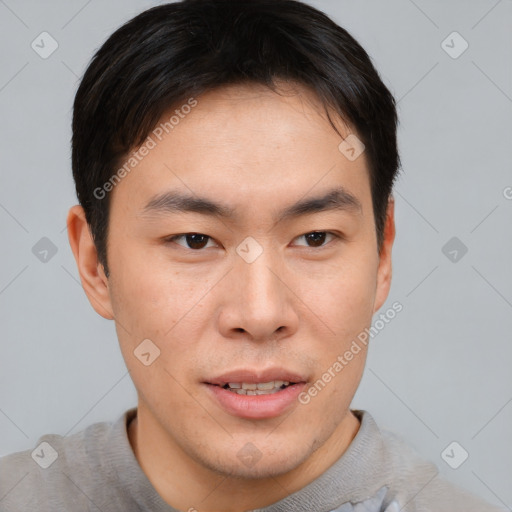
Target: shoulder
x=418, y=484
x=57, y=472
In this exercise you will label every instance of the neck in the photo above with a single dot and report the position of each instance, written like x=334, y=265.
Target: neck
x=185, y=484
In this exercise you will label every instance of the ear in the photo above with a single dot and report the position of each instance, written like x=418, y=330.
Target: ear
x=92, y=274
x=385, y=268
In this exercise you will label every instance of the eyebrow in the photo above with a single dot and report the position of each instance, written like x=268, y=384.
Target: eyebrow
x=177, y=202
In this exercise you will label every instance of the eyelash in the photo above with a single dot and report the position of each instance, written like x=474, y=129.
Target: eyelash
x=173, y=239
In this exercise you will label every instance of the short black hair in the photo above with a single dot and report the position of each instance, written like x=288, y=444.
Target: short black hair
x=170, y=53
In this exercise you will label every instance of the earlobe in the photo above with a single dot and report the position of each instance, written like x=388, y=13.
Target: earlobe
x=384, y=272
x=92, y=276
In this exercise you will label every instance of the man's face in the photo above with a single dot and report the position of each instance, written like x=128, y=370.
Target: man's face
x=267, y=299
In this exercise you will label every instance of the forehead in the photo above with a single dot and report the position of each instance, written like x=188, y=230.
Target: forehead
x=248, y=145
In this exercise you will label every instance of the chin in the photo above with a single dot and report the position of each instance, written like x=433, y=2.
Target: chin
x=249, y=463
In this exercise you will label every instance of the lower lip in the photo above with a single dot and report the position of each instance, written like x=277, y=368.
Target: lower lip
x=256, y=406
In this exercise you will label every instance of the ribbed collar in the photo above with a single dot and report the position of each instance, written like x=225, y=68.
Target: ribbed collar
x=356, y=476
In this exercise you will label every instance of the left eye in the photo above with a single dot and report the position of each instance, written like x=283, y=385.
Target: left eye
x=317, y=237
x=198, y=241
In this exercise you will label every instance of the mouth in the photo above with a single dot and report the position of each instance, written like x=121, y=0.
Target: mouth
x=256, y=394
x=260, y=388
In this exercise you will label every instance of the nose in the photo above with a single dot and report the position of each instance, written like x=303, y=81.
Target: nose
x=259, y=304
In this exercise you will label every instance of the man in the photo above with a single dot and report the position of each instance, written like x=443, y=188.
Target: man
x=234, y=164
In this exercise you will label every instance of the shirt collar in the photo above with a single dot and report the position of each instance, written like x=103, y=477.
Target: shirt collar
x=358, y=475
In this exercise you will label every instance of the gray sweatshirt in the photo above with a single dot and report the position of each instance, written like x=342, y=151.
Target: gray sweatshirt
x=96, y=470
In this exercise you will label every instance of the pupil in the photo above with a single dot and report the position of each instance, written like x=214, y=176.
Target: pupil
x=196, y=239
x=318, y=237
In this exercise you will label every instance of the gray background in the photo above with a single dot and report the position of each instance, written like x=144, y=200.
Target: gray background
x=439, y=372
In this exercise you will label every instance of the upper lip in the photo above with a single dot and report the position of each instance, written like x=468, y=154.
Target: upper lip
x=257, y=376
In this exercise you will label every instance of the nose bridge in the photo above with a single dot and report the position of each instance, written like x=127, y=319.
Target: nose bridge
x=259, y=281
x=262, y=298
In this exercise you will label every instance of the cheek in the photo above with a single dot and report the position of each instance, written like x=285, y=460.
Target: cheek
x=342, y=295
x=150, y=295
x=157, y=302
x=157, y=306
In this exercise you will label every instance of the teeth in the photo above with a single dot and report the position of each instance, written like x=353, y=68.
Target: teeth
x=260, y=388
x=266, y=385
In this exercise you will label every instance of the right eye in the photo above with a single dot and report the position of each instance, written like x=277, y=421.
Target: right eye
x=194, y=241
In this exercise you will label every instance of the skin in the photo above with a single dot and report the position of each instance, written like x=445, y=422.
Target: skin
x=299, y=305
